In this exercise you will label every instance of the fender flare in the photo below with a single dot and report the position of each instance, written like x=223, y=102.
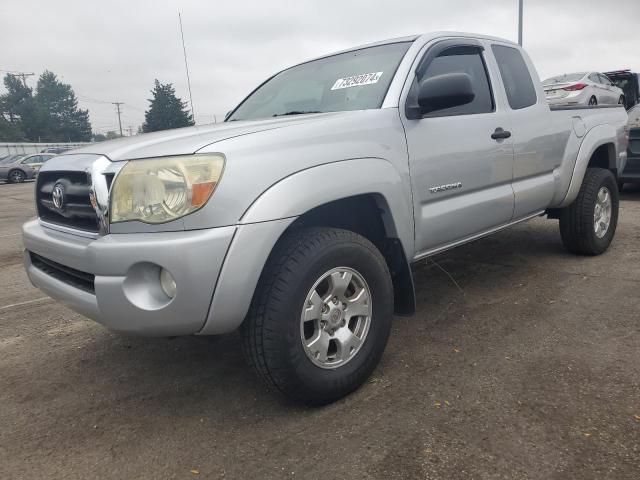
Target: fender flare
x=594, y=139
x=328, y=182
x=268, y=217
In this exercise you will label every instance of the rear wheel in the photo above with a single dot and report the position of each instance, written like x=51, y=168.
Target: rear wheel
x=588, y=225
x=321, y=316
x=16, y=176
x=593, y=101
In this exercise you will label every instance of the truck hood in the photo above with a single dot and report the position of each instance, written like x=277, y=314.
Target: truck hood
x=188, y=140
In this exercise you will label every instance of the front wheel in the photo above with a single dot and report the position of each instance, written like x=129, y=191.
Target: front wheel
x=588, y=225
x=16, y=176
x=321, y=316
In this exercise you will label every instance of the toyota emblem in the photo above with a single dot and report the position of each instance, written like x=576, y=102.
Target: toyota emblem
x=58, y=196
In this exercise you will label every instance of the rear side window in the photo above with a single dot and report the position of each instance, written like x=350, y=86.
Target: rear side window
x=461, y=59
x=604, y=80
x=516, y=77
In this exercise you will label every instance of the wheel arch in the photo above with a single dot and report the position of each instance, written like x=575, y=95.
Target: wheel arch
x=368, y=189
x=369, y=215
x=597, y=150
x=26, y=176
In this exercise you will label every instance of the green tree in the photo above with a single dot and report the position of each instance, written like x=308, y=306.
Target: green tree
x=17, y=110
x=165, y=110
x=10, y=131
x=57, y=114
x=51, y=115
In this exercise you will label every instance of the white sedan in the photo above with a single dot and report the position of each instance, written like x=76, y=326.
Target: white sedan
x=584, y=88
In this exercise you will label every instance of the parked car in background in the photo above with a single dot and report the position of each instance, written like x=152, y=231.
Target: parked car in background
x=56, y=150
x=11, y=158
x=23, y=168
x=629, y=83
x=584, y=88
x=631, y=172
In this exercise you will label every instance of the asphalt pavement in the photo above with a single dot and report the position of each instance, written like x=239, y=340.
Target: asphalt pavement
x=522, y=362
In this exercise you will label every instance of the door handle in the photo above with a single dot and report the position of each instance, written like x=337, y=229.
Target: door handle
x=500, y=134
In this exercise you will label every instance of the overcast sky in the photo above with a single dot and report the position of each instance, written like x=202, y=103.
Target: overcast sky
x=112, y=50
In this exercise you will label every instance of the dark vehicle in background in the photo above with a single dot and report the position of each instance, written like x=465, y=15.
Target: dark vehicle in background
x=631, y=172
x=627, y=81
x=25, y=167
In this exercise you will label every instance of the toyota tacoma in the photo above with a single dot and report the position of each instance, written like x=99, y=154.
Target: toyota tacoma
x=296, y=220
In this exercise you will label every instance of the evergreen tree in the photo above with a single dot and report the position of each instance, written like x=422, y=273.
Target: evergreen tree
x=10, y=131
x=51, y=115
x=165, y=110
x=57, y=114
x=16, y=110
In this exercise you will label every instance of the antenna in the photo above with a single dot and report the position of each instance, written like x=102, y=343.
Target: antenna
x=186, y=66
x=520, y=13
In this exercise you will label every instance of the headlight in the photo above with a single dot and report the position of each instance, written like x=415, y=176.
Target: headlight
x=159, y=190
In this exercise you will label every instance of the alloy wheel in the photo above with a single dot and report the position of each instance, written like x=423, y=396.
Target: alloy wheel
x=336, y=317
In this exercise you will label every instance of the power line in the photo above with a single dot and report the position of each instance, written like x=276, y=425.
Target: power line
x=22, y=75
x=86, y=98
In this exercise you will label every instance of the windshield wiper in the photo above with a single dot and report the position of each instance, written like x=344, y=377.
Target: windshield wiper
x=295, y=112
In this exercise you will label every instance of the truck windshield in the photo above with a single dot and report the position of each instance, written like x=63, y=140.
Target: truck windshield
x=355, y=80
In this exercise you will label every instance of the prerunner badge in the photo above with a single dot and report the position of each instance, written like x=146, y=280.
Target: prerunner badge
x=357, y=80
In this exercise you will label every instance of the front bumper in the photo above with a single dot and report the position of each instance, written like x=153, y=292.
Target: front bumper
x=127, y=295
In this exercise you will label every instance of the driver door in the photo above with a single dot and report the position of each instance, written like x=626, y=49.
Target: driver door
x=461, y=172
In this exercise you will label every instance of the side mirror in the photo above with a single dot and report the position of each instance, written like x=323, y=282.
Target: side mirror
x=445, y=91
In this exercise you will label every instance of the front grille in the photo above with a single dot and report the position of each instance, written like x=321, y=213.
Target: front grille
x=71, y=276
x=76, y=210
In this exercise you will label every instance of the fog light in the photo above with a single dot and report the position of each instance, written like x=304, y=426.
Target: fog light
x=167, y=283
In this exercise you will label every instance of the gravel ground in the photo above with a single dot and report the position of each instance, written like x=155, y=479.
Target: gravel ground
x=526, y=366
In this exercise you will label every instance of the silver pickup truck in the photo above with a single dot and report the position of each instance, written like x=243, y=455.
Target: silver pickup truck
x=297, y=219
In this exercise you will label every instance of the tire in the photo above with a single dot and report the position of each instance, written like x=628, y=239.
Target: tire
x=593, y=101
x=273, y=332
x=577, y=221
x=16, y=176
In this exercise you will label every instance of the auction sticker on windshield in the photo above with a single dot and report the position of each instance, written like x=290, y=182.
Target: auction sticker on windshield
x=357, y=80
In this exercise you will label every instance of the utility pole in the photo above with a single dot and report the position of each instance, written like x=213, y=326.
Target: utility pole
x=22, y=75
x=117, y=104
x=186, y=66
x=520, y=21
